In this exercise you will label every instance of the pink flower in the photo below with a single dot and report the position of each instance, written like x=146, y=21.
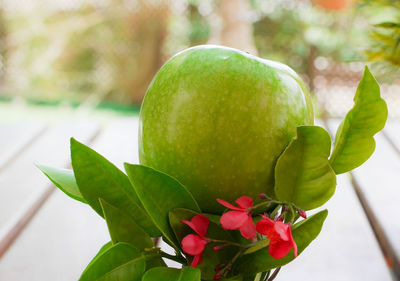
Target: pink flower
x=240, y=217
x=195, y=244
x=280, y=236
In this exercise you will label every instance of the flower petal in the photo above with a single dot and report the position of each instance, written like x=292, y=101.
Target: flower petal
x=228, y=205
x=282, y=228
x=196, y=260
x=199, y=224
x=193, y=244
x=280, y=249
x=294, y=245
x=265, y=225
x=233, y=219
x=248, y=229
x=244, y=202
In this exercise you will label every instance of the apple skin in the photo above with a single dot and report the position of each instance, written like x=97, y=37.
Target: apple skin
x=217, y=119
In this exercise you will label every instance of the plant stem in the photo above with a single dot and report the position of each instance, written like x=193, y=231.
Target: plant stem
x=258, y=276
x=179, y=258
x=272, y=215
x=273, y=276
x=230, y=243
x=267, y=203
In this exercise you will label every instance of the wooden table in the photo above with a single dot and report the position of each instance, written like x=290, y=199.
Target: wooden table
x=46, y=236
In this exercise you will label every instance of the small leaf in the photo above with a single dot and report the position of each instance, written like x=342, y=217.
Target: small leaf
x=303, y=233
x=354, y=142
x=172, y=274
x=99, y=178
x=303, y=175
x=210, y=258
x=160, y=194
x=64, y=179
x=119, y=262
x=123, y=228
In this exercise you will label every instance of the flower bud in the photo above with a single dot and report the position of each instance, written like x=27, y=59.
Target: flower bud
x=262, y=196
x=302, y=213
x=218, y=276
x=217, y=248
x=218, y=267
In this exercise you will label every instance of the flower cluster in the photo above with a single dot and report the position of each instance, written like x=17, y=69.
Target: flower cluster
x=275, y=230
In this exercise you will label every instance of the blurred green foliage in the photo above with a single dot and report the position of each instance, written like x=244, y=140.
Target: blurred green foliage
x=383, y=44
x=291, y=33
x=111, y=51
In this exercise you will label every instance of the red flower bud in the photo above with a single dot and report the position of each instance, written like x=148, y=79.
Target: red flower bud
x=302, y=213
x=217, y=248
x=262, y=196
x=218, y=276
x=218, y=267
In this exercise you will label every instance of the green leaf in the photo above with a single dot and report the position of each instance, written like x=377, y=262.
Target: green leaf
x=160, y=194
x=123, y=228
x=303, y=233
x=99, y=178
x=303, y=175
x=388, y=24
x=354, y=142
x=258, y=246
x=119, y=262
x=104, y=248
x=210, y=258
x=64, y=179
x=172, y=274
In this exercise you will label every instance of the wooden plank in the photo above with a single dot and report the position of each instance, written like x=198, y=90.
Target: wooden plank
x=23, y=184
x=392, y=135
x=345, y=250
x=15, y=137
x=376, y=184
x=66, y=234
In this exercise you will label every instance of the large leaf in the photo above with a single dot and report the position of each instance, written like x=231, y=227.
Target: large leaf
x=354, y=142
x=104, y=248
x=210, y=257
x=64, y=179
x=303, y=232
x=119, y=262
x=123, y=228
x=160, y=194
x=172, y=274
x=99, y=178
x=303, y=174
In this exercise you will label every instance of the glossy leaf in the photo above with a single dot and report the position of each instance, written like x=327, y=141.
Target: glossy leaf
x=172, y=274
x=354, y=142
x=99, y=178
x=123, y=228
x=160, y=194
x=64, y=179
x=210, y=258
x=119, y=262
x=104, y=248
x=303, y=175
x=258, y=246
x=303, y=233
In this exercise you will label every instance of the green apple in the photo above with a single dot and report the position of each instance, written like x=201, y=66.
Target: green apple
x=217, y=119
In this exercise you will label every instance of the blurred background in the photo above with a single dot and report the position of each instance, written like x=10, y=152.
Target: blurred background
x=105, y=52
